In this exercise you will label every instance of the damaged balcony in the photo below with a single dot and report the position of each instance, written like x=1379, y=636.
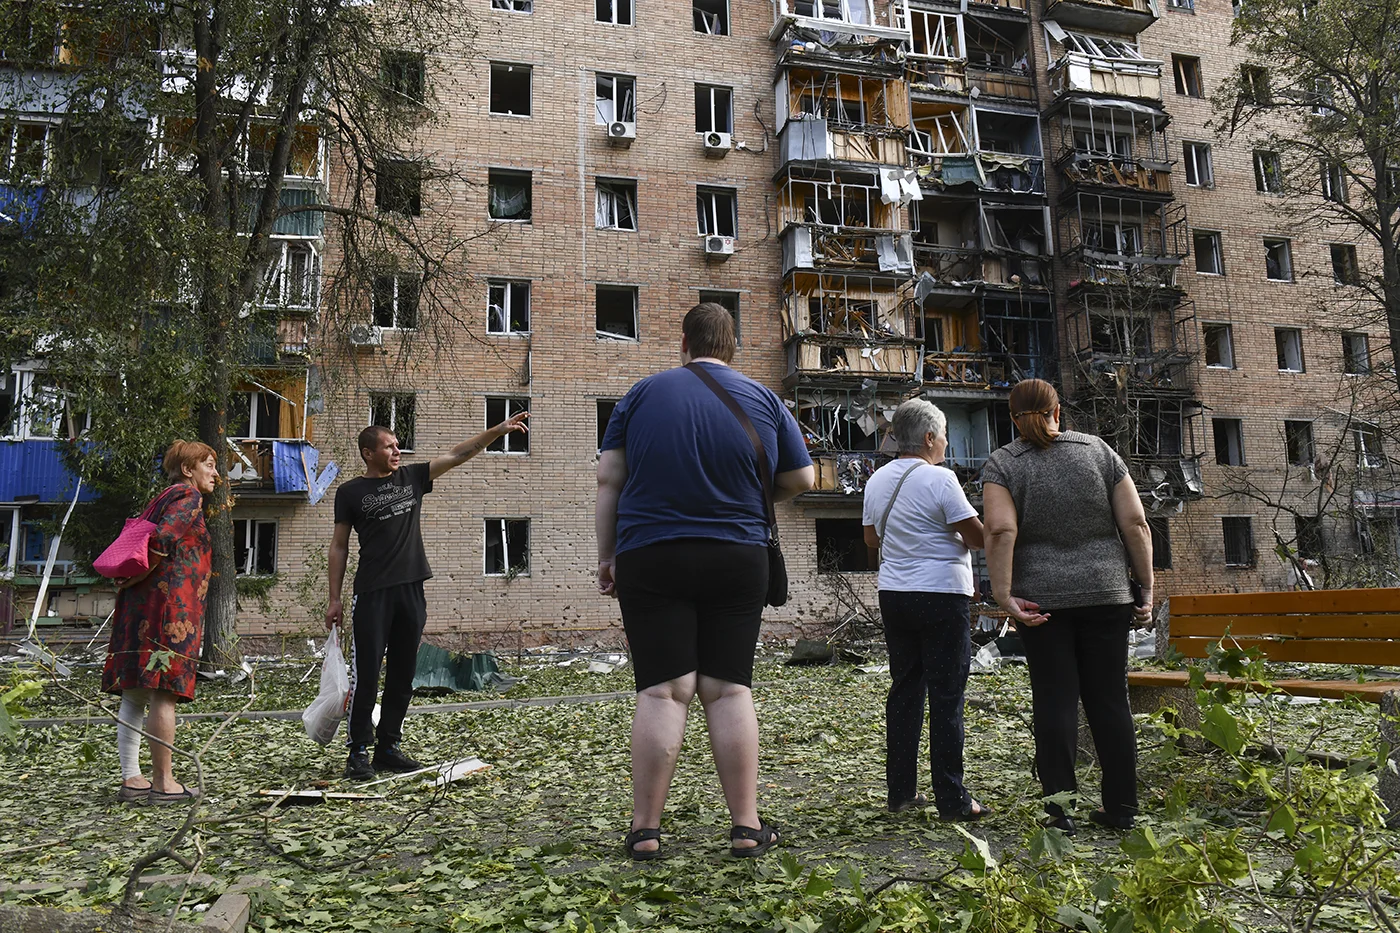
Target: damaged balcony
x=269, y=432
x=937, y=62
x=1122, y=16
x=1161, y=437
x=1112, y=144
x=822, y=248
x=857, y=21
x=1088, y=64
x=842, y=117
x=1133, y=341
x=985, y=344
x=976, y=427
x=847, y=433
x=998, y=58
x=1110, y=240
x=847, y=327
x=980, y=245
x=953, y=147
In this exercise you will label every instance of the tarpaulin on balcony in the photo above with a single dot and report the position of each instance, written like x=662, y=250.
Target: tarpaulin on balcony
x=961, y=170
x=294, y=466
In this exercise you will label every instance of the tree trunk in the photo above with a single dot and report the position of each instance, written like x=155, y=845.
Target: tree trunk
x=221, y=602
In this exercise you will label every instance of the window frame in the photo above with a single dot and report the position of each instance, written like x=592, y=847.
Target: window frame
x=514, y=6
x=711, y=90
x=1217, y=249
x=1255, y=86
x=509, y=288
x=1369, y=444
x=516, y=443
x=725, y=21
x=628, y=98
x=1231, y=453
x=709, y=203
x=499, y=67
x=635, y=293
x=1159, y=528
x=495, y=176
x=384, y=193
x=9, y=155
x=1352, y=272
x=1191, y=153
x=617, y=8
x=1229, y=345
x=1351, y=359
x=255, y=416
x=620, y=195
x=1268, y=172
x=1333, y=183
x=396, y=398
x=396, y=312
x=1282, y=336
x=250, y=548
x=1273, y=243
x=1188, y=80
x=1247, y=528
x=504, y=526
x=392, y=65
x=1298, y=434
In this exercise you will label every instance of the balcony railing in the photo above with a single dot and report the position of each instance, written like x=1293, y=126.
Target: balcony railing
x=1002, y=82
x=878, y=19
x=1140, y=175
x=967, y=267
x=811, y=246
x=814, y=139
x=818, y=356
x=1119, y=77
x=990, y=171
x=938, y=75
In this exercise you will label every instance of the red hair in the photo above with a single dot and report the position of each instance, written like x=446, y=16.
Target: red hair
x=1033, y=404
x=183, y=454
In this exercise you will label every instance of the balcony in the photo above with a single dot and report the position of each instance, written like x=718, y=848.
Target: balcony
x=1112, y=172
x=937, y=75
x=1002, y=83
x=821, y=357
x=1077, y=72
x=813, y=246
x=816, y=140
x=860, y=20
x=1116, y=16
x=1020, y=6
x=968, y=268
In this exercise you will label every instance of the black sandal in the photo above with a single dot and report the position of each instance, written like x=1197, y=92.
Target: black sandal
x=642, y=835
x=971, y=813
x=1102, y=818
x=766, y=836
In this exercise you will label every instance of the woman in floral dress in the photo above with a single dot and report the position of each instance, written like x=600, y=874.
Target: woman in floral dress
x=157, y=627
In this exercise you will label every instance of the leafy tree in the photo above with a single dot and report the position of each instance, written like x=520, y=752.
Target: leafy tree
x=139, y=255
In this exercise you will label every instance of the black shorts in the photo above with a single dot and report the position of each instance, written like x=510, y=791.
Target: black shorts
x=692, y=605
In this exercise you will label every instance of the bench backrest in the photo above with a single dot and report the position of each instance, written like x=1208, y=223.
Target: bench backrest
x=1318, y=626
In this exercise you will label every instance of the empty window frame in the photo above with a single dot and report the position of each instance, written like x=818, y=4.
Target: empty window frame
x=714, y=109
x=294, y=275
x=1187, y=71
x=1239, y=541
x=396, y=411
x=615, y=206
x=255, y=415
x=1323, y=96
x=1182, y=6
x=254, y=547
x=1298, y=443
x=506, y=549
x=1220, y=345
x=1161, y=543
x=1254, y=85
x=514, y=6
x=1289, y=343
x=1344, y=269
x=498, y=410
x=1367, y=438
x=1307, y=533
x=510, y=89
x=615, y=311
x=507, y=306
x=614, y=12
x=614, y=99
x=1229, y=441
x=841, y=547
x=24, y=150
x=396, y=300
x=1278, y=259
x=1268, y=172
x=509, y=193
x=1333, y=182
x=398, y=186
x=605, y=408
x=1356, y=354
x=716, y=212
x=1101, y=47
x=1209, y=258
x=404, y=75
x=1200, y=168
x=711, y=17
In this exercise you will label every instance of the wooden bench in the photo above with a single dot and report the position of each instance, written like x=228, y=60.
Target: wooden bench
x=1357, y=627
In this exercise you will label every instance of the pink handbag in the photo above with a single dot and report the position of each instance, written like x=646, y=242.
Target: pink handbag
x=129, y=555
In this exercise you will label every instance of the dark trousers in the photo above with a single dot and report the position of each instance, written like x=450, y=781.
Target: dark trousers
x=929, y=640
x=387, y=627
x=1082, y=654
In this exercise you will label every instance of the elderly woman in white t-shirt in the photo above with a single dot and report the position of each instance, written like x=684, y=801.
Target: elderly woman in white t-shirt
x=917, y=514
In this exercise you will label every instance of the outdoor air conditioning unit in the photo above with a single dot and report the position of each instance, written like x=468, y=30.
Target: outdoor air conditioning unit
x=621, y=133
x=717, y=145
x=718, y=248
x=366, y=335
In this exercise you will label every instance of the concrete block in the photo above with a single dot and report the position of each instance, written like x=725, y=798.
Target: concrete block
x=229, y=914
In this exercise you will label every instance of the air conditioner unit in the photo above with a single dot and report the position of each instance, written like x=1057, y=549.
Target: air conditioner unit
x=621, y=134
x=718, y=247
x=717, y=145
x=366, y=335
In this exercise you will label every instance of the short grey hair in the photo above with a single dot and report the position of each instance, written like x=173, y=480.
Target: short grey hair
x=913, y=421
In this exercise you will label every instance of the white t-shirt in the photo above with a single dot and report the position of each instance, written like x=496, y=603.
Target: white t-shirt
x=920, y=552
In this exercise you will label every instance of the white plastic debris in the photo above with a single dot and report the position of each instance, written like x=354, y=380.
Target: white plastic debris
x=986, y=659
x=1142, y=644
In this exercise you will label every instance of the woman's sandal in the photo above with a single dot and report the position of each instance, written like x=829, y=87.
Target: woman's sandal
x=766, y=836
x=642, y=835
x=971, y=813
x=183, y=795
x=135, y=796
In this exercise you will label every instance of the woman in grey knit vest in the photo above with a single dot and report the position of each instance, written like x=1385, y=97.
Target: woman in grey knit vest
x=1064, y=521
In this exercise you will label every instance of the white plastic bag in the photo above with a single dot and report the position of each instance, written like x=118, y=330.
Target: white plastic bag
x=322, y=718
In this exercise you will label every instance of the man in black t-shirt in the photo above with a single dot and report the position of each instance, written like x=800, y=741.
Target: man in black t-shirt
x=388, y=611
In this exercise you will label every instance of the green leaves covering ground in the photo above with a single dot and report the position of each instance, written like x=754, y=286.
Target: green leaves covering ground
x=534, y=843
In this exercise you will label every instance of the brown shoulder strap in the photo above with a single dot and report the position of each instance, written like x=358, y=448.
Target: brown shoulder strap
x=765, y=475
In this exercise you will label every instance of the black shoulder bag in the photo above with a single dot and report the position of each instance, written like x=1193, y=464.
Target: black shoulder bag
x=777, y=568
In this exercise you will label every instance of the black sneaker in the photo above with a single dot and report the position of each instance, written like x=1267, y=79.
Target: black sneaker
x=357, y=766
x=392, y=758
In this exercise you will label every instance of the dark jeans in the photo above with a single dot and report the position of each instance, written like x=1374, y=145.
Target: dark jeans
x=384, y=621
x=929, y=639
x=1082, y=654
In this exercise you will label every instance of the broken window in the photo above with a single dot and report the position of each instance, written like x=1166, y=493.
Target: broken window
x=1344, y=270
x=293, y=275
x=1322, y=96
x=1268, y=172
x=1187, y=70
x=605, y=408
x=1220, y=345
x=831, y=107
x=256, y=414
x=616, y=204
x=404, y=75
x=1334, y=182
x=1229, y=441
x=398, y=187
x=716, y=212
x=936, y=34
x=1157, y=429
x=510, y=89
x=10, y=405
x=1239, y=541
x=1185, y=6
x=1200, y=169
x=1278, y=259
x=1307, y=531
x=1356, y=354
x=714, y=109
x=514, y=6
x=615, y=311
x=507, y=547
x=614, y=99
x=254, y=547
x=508, y=195
x=1161, y=543
x=1206, y=245
x=1289, y=342
x=498, y=410
x=841, y=547
x=729, y=300
x=396, y=300
x=1368, y=446
x=614, y=12
x=397, y=412
x=1254, y=85
x=507, y=306
x=1298, y=442
x=711, y=18
x=24, y=150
